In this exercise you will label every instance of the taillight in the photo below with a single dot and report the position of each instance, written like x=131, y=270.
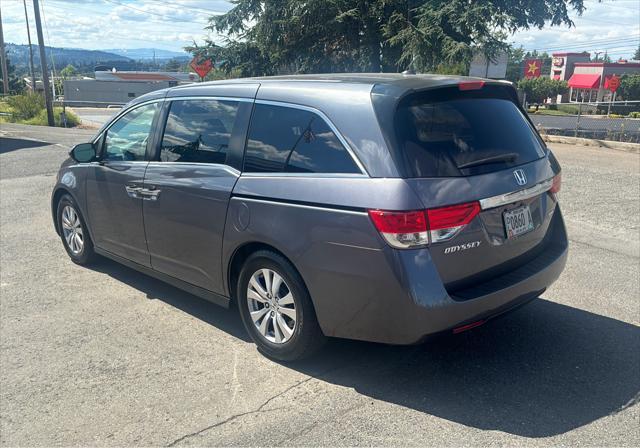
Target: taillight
x=401, y=230
x=446, y=222
x=556, y=183
x=404, y=230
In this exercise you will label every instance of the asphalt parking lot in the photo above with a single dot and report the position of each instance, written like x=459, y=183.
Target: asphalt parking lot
x=108, y=356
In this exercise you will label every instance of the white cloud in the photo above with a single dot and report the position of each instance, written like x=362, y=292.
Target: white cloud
x=608, y=26
x=102, y=24
x=173, y=24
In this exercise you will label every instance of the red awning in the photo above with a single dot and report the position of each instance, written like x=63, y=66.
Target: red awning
x=584, y=81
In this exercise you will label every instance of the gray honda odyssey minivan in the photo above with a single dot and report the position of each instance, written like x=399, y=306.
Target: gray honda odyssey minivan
x=380, y=207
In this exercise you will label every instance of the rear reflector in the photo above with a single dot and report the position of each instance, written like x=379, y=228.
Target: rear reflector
x=557, y=183
x=470, y=85
x=468, y=326
x=404, y=230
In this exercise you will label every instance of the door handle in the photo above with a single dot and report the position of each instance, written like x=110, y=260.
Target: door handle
x=149, y=194
x=133, y=191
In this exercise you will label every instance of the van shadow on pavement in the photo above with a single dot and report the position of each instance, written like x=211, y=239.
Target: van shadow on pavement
x=538, y=372
x=8, y=144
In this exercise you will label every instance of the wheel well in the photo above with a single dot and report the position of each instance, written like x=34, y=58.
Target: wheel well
x=240, y=256
x=54, y=206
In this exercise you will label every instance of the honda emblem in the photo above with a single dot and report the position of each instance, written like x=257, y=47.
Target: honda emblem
x=521, y=178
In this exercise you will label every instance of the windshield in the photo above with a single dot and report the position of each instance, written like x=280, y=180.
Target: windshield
x=464, y=136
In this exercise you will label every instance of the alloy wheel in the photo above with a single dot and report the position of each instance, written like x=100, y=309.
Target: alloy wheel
x=271, y=306
x=72, y=230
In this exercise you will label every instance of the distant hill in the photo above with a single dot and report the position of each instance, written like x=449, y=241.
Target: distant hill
x=19, y=56
x=148, y=53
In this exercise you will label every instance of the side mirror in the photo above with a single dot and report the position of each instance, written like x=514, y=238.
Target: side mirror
x=83, y=153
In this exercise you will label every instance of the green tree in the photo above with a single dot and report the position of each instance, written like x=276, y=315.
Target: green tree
x=515, y=61
x=173, y=65
x=68, y=72
x=629, y=87
x=296, y=36
x=541, y=88
x=16, y=83
x=636, y=55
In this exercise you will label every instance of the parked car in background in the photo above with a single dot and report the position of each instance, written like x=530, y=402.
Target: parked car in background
x=376, y=207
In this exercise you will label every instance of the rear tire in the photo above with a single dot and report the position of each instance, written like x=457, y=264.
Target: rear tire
x=276, y=308
x=73, y=232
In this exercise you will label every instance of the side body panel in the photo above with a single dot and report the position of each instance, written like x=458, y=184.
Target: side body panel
x=115, y=217
x=185, y=224
x=340, y=255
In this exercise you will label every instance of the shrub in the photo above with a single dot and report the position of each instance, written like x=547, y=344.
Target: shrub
x=629, y=87
x=41, y=118
x=566, y=108
x=634, y=115
x=26, y=106
x=541, y=88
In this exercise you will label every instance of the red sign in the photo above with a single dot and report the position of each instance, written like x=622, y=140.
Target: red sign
x=612, y=83
x=532, y=68
x=201, y=66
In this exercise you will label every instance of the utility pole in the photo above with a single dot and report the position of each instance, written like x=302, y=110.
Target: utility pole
x=3, y=56
x=43, y=64
x=33, y=72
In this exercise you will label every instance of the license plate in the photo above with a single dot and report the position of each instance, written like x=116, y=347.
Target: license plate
x=518, y=221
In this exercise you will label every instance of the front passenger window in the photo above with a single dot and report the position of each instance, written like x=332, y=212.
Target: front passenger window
x=128, y=137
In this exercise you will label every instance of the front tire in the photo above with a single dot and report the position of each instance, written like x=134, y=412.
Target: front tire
x=276, y=308
x=73, y=232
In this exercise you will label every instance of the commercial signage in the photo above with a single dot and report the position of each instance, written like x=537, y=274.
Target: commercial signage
x=612, y=83
x=558, y=62
x=532, y=68
x=484, y=67
x=201, y=66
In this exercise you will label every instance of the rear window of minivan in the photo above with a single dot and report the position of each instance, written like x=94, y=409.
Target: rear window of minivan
x=463, y=134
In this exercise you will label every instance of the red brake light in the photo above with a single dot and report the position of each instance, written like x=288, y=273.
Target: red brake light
x=401, y=229
x=470, y=85
x=417, y=228
x=453, y=216
x=398, y=222
x=557, y=183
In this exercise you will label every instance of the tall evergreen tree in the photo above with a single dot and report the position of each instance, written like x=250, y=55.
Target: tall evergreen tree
x=295, y=36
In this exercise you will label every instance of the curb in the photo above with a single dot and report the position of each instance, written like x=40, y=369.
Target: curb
x=621, y=146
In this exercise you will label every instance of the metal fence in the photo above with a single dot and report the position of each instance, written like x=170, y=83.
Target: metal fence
x=619, y=121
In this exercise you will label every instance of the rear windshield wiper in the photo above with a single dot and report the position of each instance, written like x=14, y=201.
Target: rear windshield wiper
x=506, y=157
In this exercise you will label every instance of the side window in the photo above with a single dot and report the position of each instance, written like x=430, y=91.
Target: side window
x=284, y=139
x=128, y=137
x=198, y=131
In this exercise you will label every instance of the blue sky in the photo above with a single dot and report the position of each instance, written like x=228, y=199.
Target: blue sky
x=610, y=25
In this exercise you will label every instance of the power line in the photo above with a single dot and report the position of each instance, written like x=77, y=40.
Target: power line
x=190, y=8
x=46, y=29
x=600, y=44
x=151, y=12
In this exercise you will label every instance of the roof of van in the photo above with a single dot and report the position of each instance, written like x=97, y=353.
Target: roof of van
x=398, y=80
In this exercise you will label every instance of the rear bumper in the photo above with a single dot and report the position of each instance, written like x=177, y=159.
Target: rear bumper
x=414, y=303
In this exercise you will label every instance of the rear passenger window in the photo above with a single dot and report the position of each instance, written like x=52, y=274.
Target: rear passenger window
x=198, y=131
x=284, y=139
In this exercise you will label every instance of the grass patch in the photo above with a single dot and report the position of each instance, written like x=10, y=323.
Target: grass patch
x=30, y=109
x=547, y=112
x=41, y=118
